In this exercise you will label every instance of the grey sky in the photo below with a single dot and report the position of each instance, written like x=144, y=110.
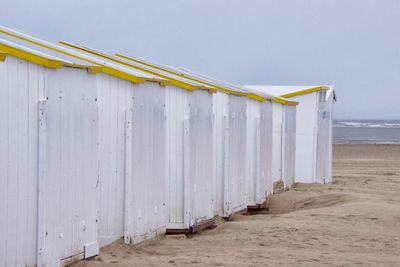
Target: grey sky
x=352, y=44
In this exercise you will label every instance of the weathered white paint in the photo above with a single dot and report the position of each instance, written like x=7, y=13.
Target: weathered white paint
x=114, y=99
x=187, y=192
x=42, y=174
x=283, y=143
x=190, y=149
x=235, y=170
x=263, y=149
x=66, y=162
x=289, y=145
x=201, y=149
x=306, y=131
x=259, y=151
x=149, y=215
x=102, y=158
x=149, y=161
x=277, y=144
x=330, y=99
x=132, y=159
x=313, y=132
x=243, y=152
x=253, y=152
x=71, y=164
x=21, y=88
x=128, y=204
x=177, y=111
x=220, y=133
x=324, y=137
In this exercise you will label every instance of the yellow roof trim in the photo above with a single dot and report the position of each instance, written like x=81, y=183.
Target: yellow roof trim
x=216, y=86
x=306, y=91
x=32, y=57
x=3, y=56
x=172, y=81
x=257, y=97
x=105, y=69
x=292, y=103
x=284, y=101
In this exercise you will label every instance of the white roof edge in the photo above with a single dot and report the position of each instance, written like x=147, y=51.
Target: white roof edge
x=284, y=89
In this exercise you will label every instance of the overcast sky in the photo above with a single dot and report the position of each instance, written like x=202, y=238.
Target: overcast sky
x=351, y=44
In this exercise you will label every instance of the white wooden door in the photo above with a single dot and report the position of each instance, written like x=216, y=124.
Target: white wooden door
x=265, y=152
x=322, y=159
x=235, y=149
x=68, y=168
x=200, y=157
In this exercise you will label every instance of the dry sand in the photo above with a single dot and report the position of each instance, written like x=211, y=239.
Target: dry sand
x=353, y=222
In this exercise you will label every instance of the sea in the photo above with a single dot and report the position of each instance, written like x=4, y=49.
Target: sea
x=366, y=131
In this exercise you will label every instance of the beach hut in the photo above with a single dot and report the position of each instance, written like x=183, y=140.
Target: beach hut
x=313, y=130
x=222, y=99
x=283, y=140
x=157, y=111
x=229, y=146
x=48, y=164
x=114, y=96
x=120, y=147
x=242, y=144
x=188, y=116
x=229, y=106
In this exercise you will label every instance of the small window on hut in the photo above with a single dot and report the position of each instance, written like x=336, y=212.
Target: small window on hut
x=322, y=96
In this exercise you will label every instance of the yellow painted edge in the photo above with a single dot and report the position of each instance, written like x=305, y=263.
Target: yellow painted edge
x=257, y=97
x=95, y=69
x=123, y=75
x=3, y=56
x=279, y=100
x=284, y=101
x=31, y=57
x=172, y=81
x=292, y=103
x=105, y=69
x=306, y=91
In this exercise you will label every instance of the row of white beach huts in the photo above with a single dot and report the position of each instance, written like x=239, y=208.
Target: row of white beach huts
x=98, y=147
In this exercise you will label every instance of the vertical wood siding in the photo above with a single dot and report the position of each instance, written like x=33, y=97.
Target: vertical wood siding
x=177, y=110
x=191, y=155
x=220, y=113
x=149, y=167
x=21, y=87
x=235, y=173
x=289, y=145
x=201, y=149
x=265, y=149
x=277, y=142
x=253, y=117
x=323, y=143
x=71, y=193
x=114, y=98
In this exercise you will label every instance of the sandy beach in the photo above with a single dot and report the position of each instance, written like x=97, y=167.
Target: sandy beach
x=353, y=222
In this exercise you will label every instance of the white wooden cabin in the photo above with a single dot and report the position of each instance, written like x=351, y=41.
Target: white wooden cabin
x=313, y=130
x=48, y=164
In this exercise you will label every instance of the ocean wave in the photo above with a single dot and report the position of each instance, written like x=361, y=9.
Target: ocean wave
x=366, y=124
x=365, y=141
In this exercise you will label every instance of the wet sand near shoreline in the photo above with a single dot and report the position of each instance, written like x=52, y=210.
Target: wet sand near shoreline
x=353, y=222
